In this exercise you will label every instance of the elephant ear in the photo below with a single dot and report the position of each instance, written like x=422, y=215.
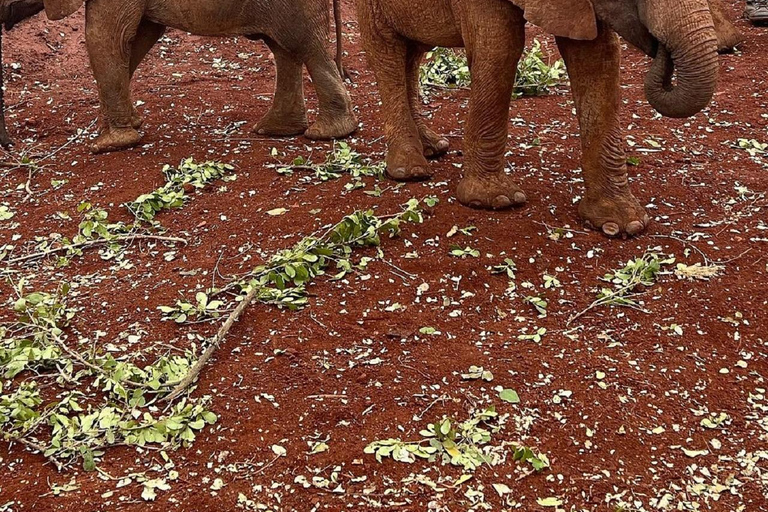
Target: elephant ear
x=60, y=9
x=574, y=19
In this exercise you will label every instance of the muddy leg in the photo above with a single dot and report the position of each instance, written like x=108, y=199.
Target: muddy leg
x=434, y=144
x=594, y=68
x=288, y=114
x=493, y=67
x=336, y=119
x=387, y=54
x=147, y=35
x=109, y=39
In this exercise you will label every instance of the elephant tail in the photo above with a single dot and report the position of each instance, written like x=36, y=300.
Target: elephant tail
x=339, y=40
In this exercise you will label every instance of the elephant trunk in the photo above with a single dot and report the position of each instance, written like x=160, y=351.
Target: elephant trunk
x=687, y=49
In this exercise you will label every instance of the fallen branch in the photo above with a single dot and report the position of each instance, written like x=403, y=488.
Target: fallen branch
x=184, y=383
x=364, y=221
x=94, y=243
x=38, y=447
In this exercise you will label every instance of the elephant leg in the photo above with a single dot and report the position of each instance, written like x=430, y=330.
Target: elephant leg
x=335, y=119
x=728, y=36
x=434, y=144
x=147, y=35
x=594, y=68
x=388, y=55
x=288, y=114
x=494, y=35
x=109, y=38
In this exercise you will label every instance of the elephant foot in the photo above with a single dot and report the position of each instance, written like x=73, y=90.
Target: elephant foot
x=435, y=145
x=115, y=139
x=619, y=216
x=329, y=127
x=282, y=124
x=407, y=163
x=494, y=192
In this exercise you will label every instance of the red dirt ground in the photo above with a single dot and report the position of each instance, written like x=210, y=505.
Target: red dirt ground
x=600, y=439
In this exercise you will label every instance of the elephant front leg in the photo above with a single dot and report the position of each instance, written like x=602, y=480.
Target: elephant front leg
x=494, y=35
x=110, y=32
x=288, y=114
x=594, y=68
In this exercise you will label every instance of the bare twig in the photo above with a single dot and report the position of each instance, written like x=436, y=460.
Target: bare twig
x=38, y=447
x=191, y=376
x=94, y=243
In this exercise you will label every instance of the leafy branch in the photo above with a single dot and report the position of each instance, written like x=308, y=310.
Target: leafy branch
x=288, y=272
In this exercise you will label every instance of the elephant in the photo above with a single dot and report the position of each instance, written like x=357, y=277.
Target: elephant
x=728, y=36
x=678, y=34
x=11, y=13
x=120, y=33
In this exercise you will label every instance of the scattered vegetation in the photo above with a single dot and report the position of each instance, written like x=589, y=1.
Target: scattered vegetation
x=466, y=444
x=536, y=75
x=284, y=278
x=102, y=401
x=446, y=68
x=180, y=181
x=342, y=161
x=628, y=282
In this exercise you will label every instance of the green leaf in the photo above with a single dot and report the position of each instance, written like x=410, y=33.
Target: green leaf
x=510, y=395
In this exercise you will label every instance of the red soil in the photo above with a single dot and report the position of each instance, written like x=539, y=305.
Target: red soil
x=600, y=441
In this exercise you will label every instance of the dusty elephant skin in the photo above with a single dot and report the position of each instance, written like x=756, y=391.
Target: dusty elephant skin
x=11, y=13
x=120, y=33
x=678, y=34
x=728, y=36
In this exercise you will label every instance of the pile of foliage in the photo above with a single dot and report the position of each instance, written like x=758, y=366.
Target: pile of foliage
x=536, y=75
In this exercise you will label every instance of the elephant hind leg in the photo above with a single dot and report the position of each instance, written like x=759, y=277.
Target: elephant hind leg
x=388, y=55
x=594, y=68
x=288, y=114
x=434, y=144
x=147, y=35
x=336, y=119
x=109, y=38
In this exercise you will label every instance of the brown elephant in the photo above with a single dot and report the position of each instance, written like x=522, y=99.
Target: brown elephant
x=120, y=33
x=679, y=34
x=11, y=13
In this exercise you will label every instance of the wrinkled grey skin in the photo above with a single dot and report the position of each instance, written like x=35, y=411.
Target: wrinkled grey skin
x=120, y=33
x=11, y=13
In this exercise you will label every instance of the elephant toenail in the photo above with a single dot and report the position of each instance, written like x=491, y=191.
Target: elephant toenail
x=611, y=228
x=635, y=227
x=501, y=201
x=646, y=220
x=442, y=144
x=520, y=198
x=419, y=174
x=475, y=204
